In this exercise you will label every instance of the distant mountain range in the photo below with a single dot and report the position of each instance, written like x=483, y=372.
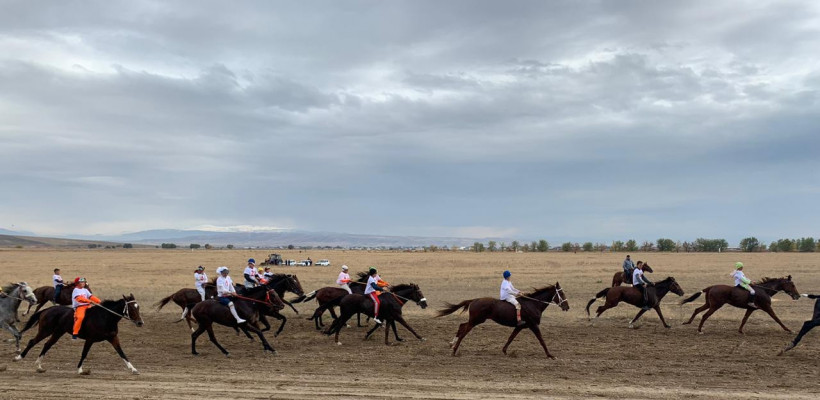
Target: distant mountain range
x=273, y=239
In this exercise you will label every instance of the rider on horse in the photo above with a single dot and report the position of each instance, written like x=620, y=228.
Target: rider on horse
x=628, y=266
x=268, y=274
x=200, y=279
x=226, y=291
x=344, y=279
x=743, y=282
x=58, y=285
x=251, y=276
x=81, y=299
x=375, y=287
x=640, y=282
x=508, y=293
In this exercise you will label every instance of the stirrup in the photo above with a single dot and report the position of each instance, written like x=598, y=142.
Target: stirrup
x=520, y=323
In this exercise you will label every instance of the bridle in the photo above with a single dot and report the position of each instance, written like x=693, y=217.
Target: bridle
x=124, y=314
x=267, y=302
x=561, y=299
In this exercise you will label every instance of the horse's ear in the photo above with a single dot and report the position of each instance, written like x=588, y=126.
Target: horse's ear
x=790, y=277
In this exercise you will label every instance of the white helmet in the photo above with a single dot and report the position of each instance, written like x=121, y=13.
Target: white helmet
x=344, y=267
x=222, y=268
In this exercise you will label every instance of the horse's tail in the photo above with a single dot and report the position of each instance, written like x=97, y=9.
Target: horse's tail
x=451, y=308
x=35, y=318
x=163, y=302
x=307, y=297
x=600, y=294
x=693, y=297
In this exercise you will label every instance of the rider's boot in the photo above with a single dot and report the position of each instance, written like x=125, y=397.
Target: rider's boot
x=751, y=302
x=235, y=315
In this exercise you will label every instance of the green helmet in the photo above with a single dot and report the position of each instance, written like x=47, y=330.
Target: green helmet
x=738, y=265
x=372, y=270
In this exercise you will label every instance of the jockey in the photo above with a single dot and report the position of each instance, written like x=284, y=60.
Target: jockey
x=260, y=276
x=743, y=282
x=268, y=274
x=81, y=299
x=640, y=282
x=200, y=279
x=375, y=287
x=628, y=268
x=225, y=291
x=508, y=293
x=251, y=278
x=58, y=285
x=344, y=279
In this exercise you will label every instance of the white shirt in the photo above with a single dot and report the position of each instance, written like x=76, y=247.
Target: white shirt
x=373, y=279
x=342, y=277
x=58, y=280
x=224, y=286
x=200, y=279
x=636, y=277
x=250, y=271
x=77, y=293
x=740, y=277
x=507, y=290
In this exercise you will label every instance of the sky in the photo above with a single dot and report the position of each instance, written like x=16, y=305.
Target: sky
x=563, y=120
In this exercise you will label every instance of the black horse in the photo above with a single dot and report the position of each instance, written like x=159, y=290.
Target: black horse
x=329, y=297
x=389, y=311
x=807, y=326
x=279, y=283
x=100, y=323
x=208, y=312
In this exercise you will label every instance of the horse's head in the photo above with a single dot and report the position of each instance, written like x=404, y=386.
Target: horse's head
x=412, y=292
x=27, y=293
x=647, y=268
x=132, y=310
x=294, y=286
x=275, y=301
x=674, y=287
x=560, y=298
x=788, y=286
x=778, y=284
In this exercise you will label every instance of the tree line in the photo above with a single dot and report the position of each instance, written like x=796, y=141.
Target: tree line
x=749, y=244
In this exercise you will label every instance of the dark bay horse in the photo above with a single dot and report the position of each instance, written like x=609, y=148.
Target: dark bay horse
x=389, y=311
x=100, y=323
x=632, y=295
x=45, y=294
x=329, y=297
x=807, y=326
x=618, y=278
x=719, y=295
x=210, y=311
x=532, y=306
x=15, y=294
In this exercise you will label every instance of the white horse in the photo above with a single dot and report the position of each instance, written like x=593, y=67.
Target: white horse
x=14, y=294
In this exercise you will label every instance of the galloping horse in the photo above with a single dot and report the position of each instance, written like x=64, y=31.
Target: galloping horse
x=618, y=278
x=100, y=323
x=718, y=295
x=532, y=306
x=807, y=326
x=330, y=296
x=389, y=311
x=46, y=293
x=632, y=295
x=209, y=312
x=15, y=294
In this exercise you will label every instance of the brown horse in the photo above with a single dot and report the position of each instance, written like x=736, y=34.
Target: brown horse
x=632, y=295
x=532, y=306
x=210, y=311
x=45, y=294
x=618, y=278
x=329, y=297
x=718, y=295
x=100, y=323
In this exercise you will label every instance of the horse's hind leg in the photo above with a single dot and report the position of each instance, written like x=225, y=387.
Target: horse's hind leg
x=41, y=334
x=768, y=309
x=282, y=325
x=631, y=323
x=53, y=339
x=14, y=332
x=697, y=311
x=86, y=347
x=462, y=333
x=706, y=316
x=265, y=345
x=194, y=336
x=115, y=341
x=512, y=336
x=370, y=332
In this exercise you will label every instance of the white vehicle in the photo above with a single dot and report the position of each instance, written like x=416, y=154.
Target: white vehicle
x=289, y=262
x=322, y=263
x=303, y=263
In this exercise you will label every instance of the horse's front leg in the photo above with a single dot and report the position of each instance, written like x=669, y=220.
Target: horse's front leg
x=537, y=331
x=86, y=348
x=770, y=311
x=291, y=306
x=395, y=331
x=660, y=314
x=404, y=324
x=115, y=341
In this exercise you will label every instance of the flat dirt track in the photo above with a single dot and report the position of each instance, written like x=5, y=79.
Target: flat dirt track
x=593, y=361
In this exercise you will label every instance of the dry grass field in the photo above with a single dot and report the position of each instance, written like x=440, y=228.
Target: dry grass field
x=607, y=360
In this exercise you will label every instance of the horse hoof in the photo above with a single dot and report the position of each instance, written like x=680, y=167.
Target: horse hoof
x=423, y=339
x=700, y=332
x=338, y=343
x=227, y=354
x=135, y=372
x=84, y=371
x=195, y=353
x=41, y=369
x=551, y=358
x=667, y=326
x=17, y=358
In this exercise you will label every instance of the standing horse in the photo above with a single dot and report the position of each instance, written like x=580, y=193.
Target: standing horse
x=101, y=323
x=618, y=278
x=329, y=297
x=807, y=326
x=15, y=294
x=389, y=311
x=632, y=295
x=46, y=293
x=209, y=312
x=503, y=313
x=718, y=295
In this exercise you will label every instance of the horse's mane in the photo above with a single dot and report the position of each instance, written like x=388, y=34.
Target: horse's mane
x=766, y=280
x=10, y=287
x=110, y=303
x=536, y=292
x=256, y=289
x=404, y=286
x=668, y=278
x=363, y=276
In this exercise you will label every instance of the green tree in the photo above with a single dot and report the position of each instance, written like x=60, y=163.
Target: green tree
x=666, y=244
x=478, y=247
x=784, y=245
x=491, y=246
x=618, y=245
x=208, y=246
x=806, y=245
x=587, y=246
x=543, y=246
x=533, y=246
x=230, y=247
x=525, y=248
x=631, y=245
x=195, y=246
x=127, y=246
x=168, y=246
x=647, y=246
x=749, y=244
x=710, y=245
x=773, y=246
x=566, y=246
x=515, y=246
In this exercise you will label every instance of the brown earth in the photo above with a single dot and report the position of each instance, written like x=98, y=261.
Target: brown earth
x=607, y=360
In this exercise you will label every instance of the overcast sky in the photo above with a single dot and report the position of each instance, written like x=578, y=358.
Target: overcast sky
x=560, y=120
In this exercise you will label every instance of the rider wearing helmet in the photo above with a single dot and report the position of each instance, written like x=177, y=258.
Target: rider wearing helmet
x=251, y=278
x=375, y=287
x=260, y=277
x=81, y=299
x=743, y=282
x=200, y=279
x=508, y=293
x=344, y=279
x=268, y=273
x=225, y=291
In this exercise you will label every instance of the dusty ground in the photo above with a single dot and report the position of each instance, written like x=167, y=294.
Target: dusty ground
x=593, y=361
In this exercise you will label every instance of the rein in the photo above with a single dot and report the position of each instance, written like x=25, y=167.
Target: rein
x=561, y=300
x=124, y=313
x=266, y=302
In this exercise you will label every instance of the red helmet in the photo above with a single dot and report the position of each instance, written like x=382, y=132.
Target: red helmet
x=76, y=280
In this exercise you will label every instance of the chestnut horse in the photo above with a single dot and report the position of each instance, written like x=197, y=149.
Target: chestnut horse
x=45, y=294
x=618, y=278
x=503, y=313
x=632, y=295
x=718, y=295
